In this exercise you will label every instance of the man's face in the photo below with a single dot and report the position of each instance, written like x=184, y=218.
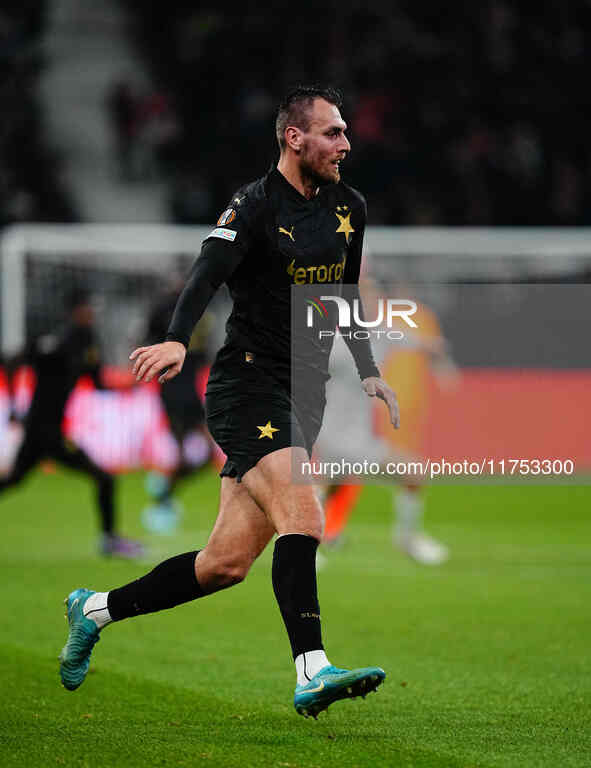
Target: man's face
x=324, y=144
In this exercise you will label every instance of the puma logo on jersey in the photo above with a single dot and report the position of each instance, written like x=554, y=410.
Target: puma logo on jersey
x=289, y=233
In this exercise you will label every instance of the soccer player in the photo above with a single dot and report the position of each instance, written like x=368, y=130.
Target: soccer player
x=423, y=357
x=58, y=361
x=423, y=354
x=186, y=415
x=297, y=224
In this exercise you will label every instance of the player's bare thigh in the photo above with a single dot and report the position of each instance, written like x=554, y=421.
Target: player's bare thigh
x=241, y=532
x=292, y=507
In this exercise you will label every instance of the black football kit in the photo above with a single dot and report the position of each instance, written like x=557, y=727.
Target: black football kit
x=182, y=404
x=58, y=362
x=269, y=239
x=184, y=407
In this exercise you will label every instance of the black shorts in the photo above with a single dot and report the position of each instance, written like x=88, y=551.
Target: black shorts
x=250, y=412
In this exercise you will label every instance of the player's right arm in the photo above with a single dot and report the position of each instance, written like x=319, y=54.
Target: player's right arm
x=219, y=258
x=165, y=360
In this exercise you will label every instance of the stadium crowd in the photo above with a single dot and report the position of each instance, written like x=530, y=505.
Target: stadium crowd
x=31, y=187
x=461, y=114
x=469, y=114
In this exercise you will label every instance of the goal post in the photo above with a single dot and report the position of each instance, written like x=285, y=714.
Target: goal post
x=514, y=305
x=30, y=253
x=125, y=266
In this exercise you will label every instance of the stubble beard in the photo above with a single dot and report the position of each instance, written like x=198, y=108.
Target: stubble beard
x=309, y=171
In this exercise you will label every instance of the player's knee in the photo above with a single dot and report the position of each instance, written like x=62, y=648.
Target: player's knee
x=232, y=573
x=223, y=572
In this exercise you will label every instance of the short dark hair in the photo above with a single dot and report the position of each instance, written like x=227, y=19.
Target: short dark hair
x=294, y=108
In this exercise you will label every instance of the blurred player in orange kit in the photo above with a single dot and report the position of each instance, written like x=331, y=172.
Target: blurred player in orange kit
x=407, y=366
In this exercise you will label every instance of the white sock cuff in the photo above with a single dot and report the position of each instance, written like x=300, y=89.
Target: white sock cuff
x=309, y=664
x=95, y=609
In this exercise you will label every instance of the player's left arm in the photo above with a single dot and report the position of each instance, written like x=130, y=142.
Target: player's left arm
x=360, y=347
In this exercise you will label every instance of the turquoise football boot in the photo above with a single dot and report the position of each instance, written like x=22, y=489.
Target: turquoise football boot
x=332, y=684
x=84, y=633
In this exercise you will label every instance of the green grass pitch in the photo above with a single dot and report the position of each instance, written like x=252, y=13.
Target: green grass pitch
x=487, y=658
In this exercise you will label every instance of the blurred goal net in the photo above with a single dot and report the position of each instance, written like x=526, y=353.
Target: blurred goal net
x=124, y=267
x=513, y=306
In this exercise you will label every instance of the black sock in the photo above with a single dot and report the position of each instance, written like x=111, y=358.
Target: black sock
x=294, y=583
x=171, y=583
x=106, y=493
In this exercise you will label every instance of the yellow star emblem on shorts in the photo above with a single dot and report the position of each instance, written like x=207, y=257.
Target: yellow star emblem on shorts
x=345, y=225
x=267, y=430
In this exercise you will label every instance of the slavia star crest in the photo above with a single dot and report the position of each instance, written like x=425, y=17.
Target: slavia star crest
x=267, y=431
x=345, y=221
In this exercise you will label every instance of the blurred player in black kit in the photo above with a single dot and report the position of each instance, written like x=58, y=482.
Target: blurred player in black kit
x=185, y=412
x=299, y=224
x=58, y=361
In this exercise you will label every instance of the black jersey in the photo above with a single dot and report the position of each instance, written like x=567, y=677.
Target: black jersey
x=268, y=239
x=59, y=361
